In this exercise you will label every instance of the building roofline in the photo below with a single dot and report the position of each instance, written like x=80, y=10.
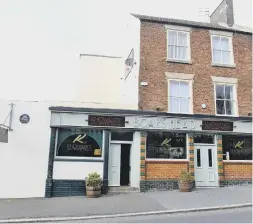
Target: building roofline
x=188, y=23
x=98, y=55
x=143, y=113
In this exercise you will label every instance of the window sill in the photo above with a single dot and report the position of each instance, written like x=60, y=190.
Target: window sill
x=179, y=61
x=238, y=161
x=77, y=160
x=225, y=115
x=167, y=160
x=224, y=65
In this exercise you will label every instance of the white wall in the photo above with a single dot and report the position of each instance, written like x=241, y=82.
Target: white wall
x=135, y=161
x=76, y=170
x=24, y=159
x=133, y=41
x=100, y=80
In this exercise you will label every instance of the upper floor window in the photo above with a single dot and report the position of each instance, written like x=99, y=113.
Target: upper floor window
x=179, y=97
x=225, y=100
x=178, y=45
x=222, y=51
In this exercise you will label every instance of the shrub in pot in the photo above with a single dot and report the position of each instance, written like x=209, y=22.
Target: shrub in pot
x=185, y=181
x=93, y=185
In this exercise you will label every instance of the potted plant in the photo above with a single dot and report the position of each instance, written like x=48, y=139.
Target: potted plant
x=93, y=185
x=185, y=181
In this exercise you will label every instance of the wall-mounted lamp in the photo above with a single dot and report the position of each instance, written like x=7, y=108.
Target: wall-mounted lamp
x=144, y=83
x=203, y=106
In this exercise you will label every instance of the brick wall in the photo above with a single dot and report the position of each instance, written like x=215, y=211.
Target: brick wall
x=164, y=170
x=237, y=171
x=153, y=66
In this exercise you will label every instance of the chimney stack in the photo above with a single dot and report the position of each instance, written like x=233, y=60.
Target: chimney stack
x=223, y=14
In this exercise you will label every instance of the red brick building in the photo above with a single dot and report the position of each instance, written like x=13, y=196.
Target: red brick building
x=201, y=71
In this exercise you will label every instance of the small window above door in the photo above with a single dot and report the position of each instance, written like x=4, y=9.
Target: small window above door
x=203, y=139
x=121, y=136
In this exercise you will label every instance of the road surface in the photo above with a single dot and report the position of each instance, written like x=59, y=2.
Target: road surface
x=239, y=215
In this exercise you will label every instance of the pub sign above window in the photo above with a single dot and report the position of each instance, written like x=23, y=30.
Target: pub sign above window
x=97, y=120
x=217, y=125
x=79, y=145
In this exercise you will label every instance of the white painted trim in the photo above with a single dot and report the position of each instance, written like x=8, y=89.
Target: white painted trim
x=190, y=81
x=188, y=36
x=176, y=75
x=232, y=61
x=226, y=80
x=121, y=142
x=178, y=28
x=220, y=33
x=238, y=161
x=168, y=160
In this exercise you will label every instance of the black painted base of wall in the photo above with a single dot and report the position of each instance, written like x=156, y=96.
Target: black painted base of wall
x=153, y=185
x=226, y=183
x=64, y=188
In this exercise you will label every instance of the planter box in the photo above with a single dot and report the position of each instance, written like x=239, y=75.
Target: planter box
x=93, y=192
x=185, y=186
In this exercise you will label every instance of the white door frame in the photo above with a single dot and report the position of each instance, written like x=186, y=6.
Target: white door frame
x=130, y=162
x=214, y=145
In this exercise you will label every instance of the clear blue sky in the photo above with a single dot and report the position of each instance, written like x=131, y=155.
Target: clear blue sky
x=41, y=40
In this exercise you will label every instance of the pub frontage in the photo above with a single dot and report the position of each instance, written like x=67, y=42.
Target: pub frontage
x=145, y=150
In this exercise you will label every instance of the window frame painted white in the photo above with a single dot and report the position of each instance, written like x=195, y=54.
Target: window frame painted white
x=229, y=82
x=179, y=29
x=229, y=36
x=181, y=77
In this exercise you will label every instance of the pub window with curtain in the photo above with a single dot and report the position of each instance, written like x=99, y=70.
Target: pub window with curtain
x=166, y=145
x=237, y=147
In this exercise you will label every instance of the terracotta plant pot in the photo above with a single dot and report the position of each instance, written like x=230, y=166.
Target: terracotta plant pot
x=185, y=186
x=93, y=192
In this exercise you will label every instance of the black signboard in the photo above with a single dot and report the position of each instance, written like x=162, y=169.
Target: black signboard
x=217, y=126
x=115, y=121
x=79, y=145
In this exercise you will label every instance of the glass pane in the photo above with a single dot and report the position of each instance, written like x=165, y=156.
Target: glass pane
x=216, y=56
x=122, y=136
x=172, y=37
x=226, y=57
x=184, y=89
x=202, y=138
x=174, y=88
x=166, y=145
x=220, y=92
x=225, y=44
x=239, y=147
x=229, y=107
x=182, y=39
x=216, y=43
x=184, y=105
x=181, y=53
x=198, y=158
x=171, y=51
x=220, y=106
x=210, y=158
x=229, y=92
x=174, y=105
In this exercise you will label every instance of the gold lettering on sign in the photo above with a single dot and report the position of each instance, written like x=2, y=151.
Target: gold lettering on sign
x=79, y=138
x=239, y=144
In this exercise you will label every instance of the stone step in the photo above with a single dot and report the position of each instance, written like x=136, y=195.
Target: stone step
x=122, y=190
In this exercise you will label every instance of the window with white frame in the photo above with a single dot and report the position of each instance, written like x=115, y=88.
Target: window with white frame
x=222, y=52
x=178, y=45
x=179, y=96
x=225, y=99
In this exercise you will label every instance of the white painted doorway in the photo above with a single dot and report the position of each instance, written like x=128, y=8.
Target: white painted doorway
x=205, y=165
x=114, y=165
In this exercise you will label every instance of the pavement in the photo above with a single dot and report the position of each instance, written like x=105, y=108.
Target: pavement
x=159, y=201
